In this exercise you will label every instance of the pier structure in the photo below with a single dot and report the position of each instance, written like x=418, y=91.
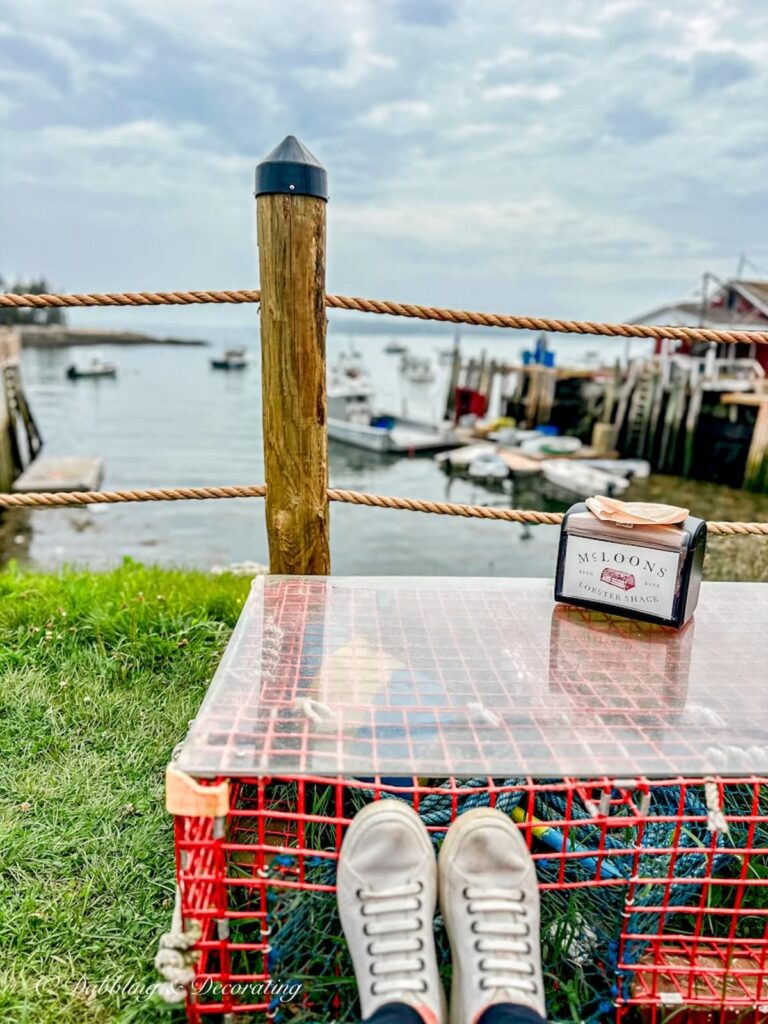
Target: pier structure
x=20, y=441
x=690, y=413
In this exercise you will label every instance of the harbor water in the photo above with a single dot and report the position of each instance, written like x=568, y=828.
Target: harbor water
x=168, y=419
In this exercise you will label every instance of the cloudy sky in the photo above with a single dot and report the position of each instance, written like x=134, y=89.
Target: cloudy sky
x=562, y=157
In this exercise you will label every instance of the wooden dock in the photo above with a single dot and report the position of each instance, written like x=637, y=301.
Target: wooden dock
x=20, y=440
x=61, y=473
x=700, y=416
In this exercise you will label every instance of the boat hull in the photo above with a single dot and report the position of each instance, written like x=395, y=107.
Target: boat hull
x=373, y=439
x=74, y=374
x=582, y=480
x=402, y=437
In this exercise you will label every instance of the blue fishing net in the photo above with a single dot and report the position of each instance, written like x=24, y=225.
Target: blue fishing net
x=586, y=966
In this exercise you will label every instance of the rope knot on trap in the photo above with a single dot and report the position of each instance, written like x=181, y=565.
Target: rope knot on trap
x=176, y=958
x=716, y=820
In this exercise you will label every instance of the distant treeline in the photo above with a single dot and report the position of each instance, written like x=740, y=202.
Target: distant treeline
x=49, y=316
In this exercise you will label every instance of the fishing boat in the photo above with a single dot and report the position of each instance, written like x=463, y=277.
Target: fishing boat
x=353, y=420
x=575, y=477
x=233, y=359
x=418, y=371
x=349, y=366
x=96, y=368
x=395, y=347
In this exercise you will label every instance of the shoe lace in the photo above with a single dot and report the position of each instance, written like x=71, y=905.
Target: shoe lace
x=394, y=914
x=502, y=938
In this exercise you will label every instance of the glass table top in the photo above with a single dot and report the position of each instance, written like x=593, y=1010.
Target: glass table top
x=440, y=676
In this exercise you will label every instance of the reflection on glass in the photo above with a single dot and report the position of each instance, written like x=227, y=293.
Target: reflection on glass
x=437, y=677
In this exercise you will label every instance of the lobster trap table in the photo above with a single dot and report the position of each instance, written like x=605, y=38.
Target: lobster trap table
x=633, y=758
x=453, y=676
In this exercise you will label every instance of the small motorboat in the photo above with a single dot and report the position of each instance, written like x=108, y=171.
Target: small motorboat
x=547, y=444
x=96, y=368
x=486, y=454
x=395, y=347
x=461, y=458
x=632, y=468
x=577, y=478
x=488, y=466
x=233, y=359
x=518, y=463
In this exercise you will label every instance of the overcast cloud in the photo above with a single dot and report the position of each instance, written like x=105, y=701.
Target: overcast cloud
x=562, y=158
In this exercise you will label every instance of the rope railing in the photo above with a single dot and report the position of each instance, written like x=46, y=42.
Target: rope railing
x=385, y=308
x=74, y=499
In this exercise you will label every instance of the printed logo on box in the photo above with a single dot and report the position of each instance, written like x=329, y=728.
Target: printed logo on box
x=626, y=575
x=624, y=580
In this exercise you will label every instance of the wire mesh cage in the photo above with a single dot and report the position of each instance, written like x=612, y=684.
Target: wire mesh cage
x=652, y=862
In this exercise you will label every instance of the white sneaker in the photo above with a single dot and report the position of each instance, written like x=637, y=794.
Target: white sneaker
x=490, y=903
x=387, y=891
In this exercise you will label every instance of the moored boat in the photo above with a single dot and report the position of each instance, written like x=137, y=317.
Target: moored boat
x=395, y=347
x=575, y=477
x=621, y=467
x=233, y=359
x=353, y=420
x=518, y=463
x=96, y=368
x=488, y=466
x=546, y=444
x=460, y=458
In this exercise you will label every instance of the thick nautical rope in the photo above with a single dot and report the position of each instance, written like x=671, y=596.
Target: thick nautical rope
x=69, y=499
x=74, y=499
x=176, y=959
x=383, y=307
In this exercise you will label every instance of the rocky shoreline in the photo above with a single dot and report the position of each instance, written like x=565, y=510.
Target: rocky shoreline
x=64, y=337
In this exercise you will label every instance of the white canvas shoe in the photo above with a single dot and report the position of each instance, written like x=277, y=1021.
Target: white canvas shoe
x=489, y=897
x=387, y=892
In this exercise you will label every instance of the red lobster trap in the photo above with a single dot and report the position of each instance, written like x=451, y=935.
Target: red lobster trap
x=626, y=752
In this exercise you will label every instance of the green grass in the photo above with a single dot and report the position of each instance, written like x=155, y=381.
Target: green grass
x=99, y=675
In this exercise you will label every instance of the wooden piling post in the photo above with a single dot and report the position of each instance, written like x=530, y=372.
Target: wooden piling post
x=756, y=470
x=453, y=383
x=291, y=196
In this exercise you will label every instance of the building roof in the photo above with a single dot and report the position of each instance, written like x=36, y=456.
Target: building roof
x=755, y=292
x=688, y=313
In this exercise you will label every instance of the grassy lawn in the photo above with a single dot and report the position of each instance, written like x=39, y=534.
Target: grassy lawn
x=100, y=675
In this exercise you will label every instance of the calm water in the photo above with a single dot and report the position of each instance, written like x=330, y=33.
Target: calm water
x=169, y=420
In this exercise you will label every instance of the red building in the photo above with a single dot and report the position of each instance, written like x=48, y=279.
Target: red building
x=731, y=305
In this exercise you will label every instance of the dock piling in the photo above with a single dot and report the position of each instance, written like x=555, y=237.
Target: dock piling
x=291, y=197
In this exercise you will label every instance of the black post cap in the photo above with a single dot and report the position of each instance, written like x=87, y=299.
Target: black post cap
x=291, y=169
